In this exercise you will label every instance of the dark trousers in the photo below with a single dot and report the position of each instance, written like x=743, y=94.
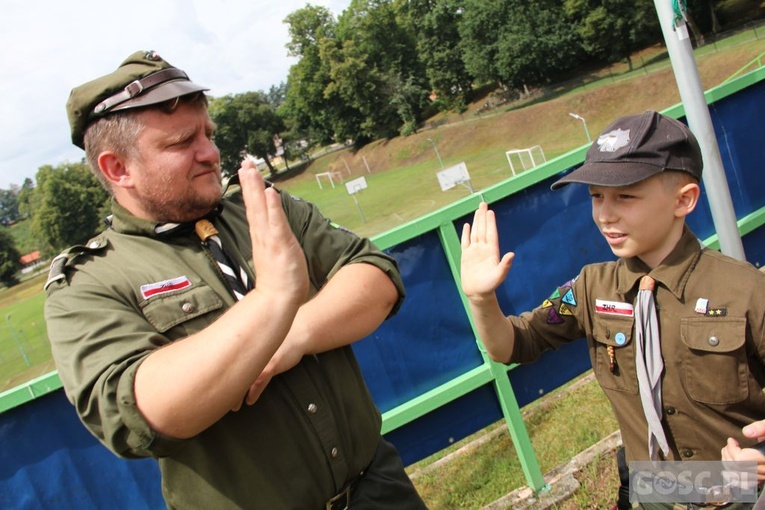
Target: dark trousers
x=385, y=484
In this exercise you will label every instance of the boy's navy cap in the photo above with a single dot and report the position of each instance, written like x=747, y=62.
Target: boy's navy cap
x=143, y=79
x=636, y=147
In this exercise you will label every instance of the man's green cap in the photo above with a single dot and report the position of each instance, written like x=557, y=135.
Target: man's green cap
x=143, y=79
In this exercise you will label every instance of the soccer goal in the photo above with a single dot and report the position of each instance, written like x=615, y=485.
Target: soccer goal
x=526, y=157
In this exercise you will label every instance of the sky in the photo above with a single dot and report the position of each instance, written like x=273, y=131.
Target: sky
x=52, y=46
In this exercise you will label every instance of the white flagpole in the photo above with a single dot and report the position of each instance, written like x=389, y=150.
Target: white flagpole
x=675, y=32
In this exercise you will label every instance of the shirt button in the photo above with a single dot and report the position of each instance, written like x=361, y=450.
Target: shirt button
x=670, y=410
x=93, y=245
x=334, y=453
x=312, y=408
x=714, y=341
x=187, y=307
x=687, y=453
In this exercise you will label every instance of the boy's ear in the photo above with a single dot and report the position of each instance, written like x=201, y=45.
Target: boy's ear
x=687, y=198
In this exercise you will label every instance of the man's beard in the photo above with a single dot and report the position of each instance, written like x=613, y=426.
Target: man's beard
x=189, y=206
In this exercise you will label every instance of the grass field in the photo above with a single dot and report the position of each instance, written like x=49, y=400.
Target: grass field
x=24, y=347
x=402, y=187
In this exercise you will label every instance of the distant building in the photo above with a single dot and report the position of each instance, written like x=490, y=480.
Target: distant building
x=30, y=261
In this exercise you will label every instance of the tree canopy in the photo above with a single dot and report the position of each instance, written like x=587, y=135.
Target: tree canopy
x=247, y=123
x=9, y=259
x=68, y=208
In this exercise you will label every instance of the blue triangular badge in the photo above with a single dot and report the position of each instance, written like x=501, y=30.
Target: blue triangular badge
x=569, y=298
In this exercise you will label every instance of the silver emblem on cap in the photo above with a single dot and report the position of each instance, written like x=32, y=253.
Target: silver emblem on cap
x=613, y=140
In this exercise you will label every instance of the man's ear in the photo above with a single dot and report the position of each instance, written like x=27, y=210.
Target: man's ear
x=687, y=198
x=114, y=168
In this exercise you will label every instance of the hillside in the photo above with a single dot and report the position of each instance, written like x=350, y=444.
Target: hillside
x=404, y=168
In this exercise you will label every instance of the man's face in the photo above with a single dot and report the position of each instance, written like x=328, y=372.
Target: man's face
x=640, y=220
x=175, y=170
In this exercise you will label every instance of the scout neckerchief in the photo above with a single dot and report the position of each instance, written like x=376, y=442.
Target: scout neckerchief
x=650, y=365
x=235, y=275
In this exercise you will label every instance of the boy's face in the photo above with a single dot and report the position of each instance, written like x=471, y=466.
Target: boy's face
x=642, y=220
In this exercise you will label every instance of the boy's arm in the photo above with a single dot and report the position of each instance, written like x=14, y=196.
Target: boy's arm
x=482, y=271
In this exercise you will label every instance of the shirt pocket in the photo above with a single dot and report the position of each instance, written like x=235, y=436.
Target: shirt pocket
x=180, y=314
x=714, y=366
x=614, y=332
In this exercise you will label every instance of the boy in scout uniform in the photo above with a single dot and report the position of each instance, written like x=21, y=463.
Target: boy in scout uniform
x=209, y=326
x=675, y=330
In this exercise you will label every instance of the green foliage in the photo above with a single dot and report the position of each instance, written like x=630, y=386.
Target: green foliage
x=9, y=259
x=9, y=205
x=436, y=24
x=67, y=203
x=614, y=30
x=538, y=45
x=245, y=123
x=310, y=29
x=25, y=197
x=359, y=78
x=23, y=238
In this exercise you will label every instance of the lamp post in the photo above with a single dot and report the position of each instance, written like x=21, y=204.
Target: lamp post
x=437, y=154
x=16, y=340
x=584, y=122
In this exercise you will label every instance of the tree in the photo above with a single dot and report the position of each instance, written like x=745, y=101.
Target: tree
x=25, y=198
x=436, y=25
x=245, y=123
x=69, y=200
x=376, y=70
x=9, y=205
x=613, y=31
x=9, y=259
x=518, y=43
x=310, y=29
x=358, y=78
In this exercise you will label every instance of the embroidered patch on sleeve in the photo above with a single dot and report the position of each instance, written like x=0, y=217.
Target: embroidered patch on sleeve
x=553, y=317
x=555, y=295
x=569, y=298
x=565, y=310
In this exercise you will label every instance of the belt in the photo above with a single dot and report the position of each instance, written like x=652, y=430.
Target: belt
x=342, y=500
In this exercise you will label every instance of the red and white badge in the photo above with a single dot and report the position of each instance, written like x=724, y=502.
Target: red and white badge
x=152, y=289
x=614, y=308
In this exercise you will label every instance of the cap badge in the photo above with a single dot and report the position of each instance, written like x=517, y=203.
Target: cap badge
x=152, y=55
x=613, y=140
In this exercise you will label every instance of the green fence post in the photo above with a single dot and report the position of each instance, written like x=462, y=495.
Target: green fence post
x=509, y=404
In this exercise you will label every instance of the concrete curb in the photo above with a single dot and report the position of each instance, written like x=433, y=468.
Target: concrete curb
x=561, y=482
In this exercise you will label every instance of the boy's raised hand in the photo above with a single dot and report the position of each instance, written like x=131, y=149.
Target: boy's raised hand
x=482, y=270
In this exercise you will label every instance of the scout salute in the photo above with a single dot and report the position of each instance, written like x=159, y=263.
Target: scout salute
x=675, y=330
x=207, y=326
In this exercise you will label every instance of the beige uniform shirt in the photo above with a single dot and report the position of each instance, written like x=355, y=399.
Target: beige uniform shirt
x=711, y=310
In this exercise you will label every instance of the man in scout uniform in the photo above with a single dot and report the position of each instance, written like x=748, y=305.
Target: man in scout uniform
x=209, y=326
x=683, y=375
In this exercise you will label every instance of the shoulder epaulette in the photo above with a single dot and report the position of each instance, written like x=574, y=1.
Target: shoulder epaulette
x=58, y=265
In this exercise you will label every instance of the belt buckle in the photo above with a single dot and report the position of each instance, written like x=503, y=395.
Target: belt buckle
x=341, y=501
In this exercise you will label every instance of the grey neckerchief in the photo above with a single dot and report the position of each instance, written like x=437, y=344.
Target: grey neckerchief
x=650, y=366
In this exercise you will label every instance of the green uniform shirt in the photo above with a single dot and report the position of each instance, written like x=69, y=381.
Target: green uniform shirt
x=129, y=291
x=711, y=310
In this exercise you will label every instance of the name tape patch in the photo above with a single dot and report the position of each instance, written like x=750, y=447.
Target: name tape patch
x=152, y=289
x=614, y=308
